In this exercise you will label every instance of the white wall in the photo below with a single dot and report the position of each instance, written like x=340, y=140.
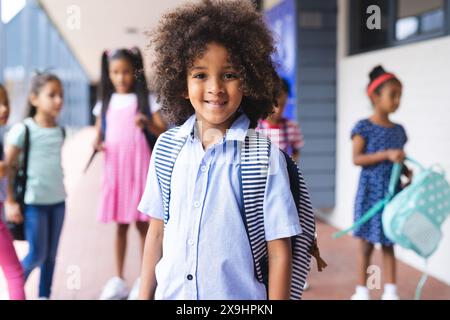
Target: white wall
x=424, y=69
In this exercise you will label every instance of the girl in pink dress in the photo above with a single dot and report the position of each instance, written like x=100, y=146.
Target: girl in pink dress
x=127, y=127
x=12, y=269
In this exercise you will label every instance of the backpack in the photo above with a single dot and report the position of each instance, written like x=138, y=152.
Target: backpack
x=20, y=186
x=413, y=217
x=255, y=155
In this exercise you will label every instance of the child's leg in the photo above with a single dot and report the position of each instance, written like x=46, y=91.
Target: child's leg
x=116, y=288
x=36, y=230
x=11, y=266
x=366, y=249
x=142, y=227
x=121, y=247
x=389, y=264
x=55, y=224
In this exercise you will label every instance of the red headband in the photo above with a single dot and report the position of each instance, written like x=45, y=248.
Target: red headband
x=379, y=81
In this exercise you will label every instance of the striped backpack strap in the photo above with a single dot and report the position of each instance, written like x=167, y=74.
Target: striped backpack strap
x=255, y=153
x=166, y=153
x=255, y=156
x=304, y=245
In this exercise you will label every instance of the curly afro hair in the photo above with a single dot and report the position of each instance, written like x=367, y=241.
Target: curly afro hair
x=182, y=36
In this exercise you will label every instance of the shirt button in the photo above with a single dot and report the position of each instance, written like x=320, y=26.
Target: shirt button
x=203, y=168
x=191, y=242
x=190, y=277
x=196, y=204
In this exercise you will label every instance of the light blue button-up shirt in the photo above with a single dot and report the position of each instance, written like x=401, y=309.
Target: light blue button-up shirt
x=206, y=251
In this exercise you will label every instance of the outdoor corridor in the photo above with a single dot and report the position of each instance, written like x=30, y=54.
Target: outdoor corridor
x=86, y=257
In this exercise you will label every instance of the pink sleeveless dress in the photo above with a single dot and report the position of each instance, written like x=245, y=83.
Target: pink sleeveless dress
x=127, y=157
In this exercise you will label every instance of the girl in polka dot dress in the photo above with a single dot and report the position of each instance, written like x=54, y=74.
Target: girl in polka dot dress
x=377, y=144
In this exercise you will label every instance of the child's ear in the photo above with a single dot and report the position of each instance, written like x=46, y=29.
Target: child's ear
x=374, y=97
x=33, y=99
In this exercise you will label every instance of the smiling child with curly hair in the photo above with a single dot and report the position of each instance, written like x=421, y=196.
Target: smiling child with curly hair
x=215, y=80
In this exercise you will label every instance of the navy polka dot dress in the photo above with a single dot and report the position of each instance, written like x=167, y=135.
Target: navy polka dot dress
x=374, y=180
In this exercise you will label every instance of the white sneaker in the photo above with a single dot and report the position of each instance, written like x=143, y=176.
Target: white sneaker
x=389, y=296
x=361, y=293
x=134, y=294
x=390, y=292
x=115, y=289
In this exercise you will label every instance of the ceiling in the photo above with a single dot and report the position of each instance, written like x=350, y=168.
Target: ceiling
x=91, y=26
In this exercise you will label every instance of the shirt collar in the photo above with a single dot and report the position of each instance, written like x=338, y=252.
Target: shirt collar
x=187, y=128
x=237, y=131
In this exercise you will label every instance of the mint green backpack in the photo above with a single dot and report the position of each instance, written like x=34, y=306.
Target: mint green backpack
x=413, y=217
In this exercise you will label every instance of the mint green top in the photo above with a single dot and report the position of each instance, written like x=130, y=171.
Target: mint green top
x=45, y=174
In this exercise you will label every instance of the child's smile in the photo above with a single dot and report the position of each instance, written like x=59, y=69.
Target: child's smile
x=214, y=88
x=216, y=103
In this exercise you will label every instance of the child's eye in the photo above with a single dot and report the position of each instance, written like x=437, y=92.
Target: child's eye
x=199, y=76
x=229, y=76
x=54, y=95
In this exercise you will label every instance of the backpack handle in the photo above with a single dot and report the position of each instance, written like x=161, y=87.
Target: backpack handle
x=415, y=162
x=395, y=177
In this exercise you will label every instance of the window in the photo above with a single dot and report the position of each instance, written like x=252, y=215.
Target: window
x=418, y=17
x=402, y=21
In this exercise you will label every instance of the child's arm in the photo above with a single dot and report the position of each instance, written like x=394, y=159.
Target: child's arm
x=98, y=143
x=159, y=123
x=155, y=125
x=363, y=159
x=152, y=255
x=297, y=141
x=12, y=208
x=407, y=172
x=296, y=155
x=3, y=169
x=280, y=268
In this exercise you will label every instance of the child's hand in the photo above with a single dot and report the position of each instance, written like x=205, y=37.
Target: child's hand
x=13, y=212
x=98, y=144
x=395, y=155
x=409, y=175
x=142, y=120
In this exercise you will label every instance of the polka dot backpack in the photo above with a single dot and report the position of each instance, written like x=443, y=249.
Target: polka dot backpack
x=413, y=218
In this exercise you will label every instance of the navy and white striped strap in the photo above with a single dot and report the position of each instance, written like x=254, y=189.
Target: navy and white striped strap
x=166, y=153
x=255, y=154
x=305, y=242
